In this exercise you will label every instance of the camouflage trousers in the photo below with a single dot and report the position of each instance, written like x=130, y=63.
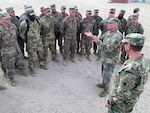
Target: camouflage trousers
x=69, y=46
x=49, y=43
x=9, y=63
x=86, y=45
x=115, y=109
x=32, y=55
x=107, y=68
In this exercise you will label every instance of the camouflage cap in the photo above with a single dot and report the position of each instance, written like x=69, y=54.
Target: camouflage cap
x=88, y=11
x=135, y=16
x=113, y=20
x=27, y=6
x=9, y=9
x=96, y=10
x=122, y=11
x=41, y=9
x=135, y=39
x=112, y=10
x=72, y=9
x=63, y=7
x=4, y=15
x=53, y=6
x=30, y=11
x=46, y=9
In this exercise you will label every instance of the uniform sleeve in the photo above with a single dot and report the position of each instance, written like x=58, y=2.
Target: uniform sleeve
x=62, y=27
x=22, y=29
x=141, y=30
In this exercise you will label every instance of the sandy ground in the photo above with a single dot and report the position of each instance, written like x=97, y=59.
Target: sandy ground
x=70, y=89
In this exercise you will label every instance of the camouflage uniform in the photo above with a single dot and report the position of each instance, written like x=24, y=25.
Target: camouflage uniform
x=10, y=50
x=58, y=17
x=48, y=37
x=34, y=41
x=86, y=42
x=110, y=52
x=69, y=30
x=130, y=80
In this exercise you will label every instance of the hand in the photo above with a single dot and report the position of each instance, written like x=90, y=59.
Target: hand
x=108, y=105
x=89, y=34
x=95, y=39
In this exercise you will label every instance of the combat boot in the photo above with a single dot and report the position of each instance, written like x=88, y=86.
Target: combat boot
x=88, y=57
x=98, y=58
x=22, y=72
x=100, y=85
x=81, y=58
x=65, y=62
x=55, y=59
x=43, y=67
x=72, y=59
x=32, y=72
x=104, y=92
x=13, y=81
x=2, y=88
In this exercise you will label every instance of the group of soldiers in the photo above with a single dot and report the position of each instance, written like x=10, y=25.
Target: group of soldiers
x=74, y=34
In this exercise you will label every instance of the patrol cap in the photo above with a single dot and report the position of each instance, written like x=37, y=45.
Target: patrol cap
x=96, y=10
x=4, y=15
x=113, y=20
x=9, y=9
x=135, y=16
x=41, y=9
x=47, y=9
x=63, y=7
x=136, y=9
x=26, y=6
x=88, y=12
x=30, y=11
x=122, y=11
x=53, y=6
x=72, y=9
x=112, y=10
x=135, y=39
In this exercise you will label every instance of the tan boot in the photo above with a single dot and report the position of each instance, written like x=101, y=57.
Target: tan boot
x=13, y=81
x=100, y=85
x=104, y=92
x=88, y=57
x=72, y=60
x=32, y=72
x=43, y=67
x=65, y=62
x=98, y=58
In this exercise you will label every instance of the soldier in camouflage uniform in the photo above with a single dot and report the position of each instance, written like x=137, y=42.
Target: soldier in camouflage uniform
x=42, y=12
x=131, y=78
x=63, y=12
x=58, y=17
x=9, y=48
x=30, y=31
x=79, y=17
x=122, y=26
x=98, y=19
x=69, y=30
x=47, y=33
x=103, y=26
x=87, y=24
x=110, y=48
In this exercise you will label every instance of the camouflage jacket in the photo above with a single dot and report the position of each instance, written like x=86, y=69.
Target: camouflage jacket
x=111, y=44
x=8, y=41
x=122, y=25
x=47, y=26
x=88, y=25
x=130, y=28
x=103, y=26
x=129, y=83
x=98, y=19
x=69, y=27
x=64, y=15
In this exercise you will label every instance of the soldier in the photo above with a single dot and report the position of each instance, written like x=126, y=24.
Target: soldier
x=98, y=19
x=122, y=26
x=15, y=20
x=58, y=17
x=131, y=78
x=87, y=24
x=47, y=33
x=69, y=31
x=79, y=17
x=29, y=30
x=103, y=26
x=42, y=12
x=110, y=48
x=9, y=48
x=135, y=11
x=63, y=12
